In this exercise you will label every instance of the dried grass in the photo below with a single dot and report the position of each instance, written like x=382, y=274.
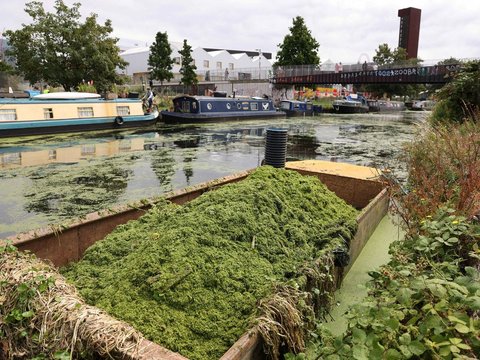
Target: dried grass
x=289, y=314
x=59, y=320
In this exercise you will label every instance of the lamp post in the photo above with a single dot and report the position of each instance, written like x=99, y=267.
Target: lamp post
x=259, y=62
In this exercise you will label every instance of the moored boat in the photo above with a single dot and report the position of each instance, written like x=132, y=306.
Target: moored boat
x=68, y=112
x=423, y=105
x=385, y=106
x=299, y=108
x=352, y=104
x=191, y=109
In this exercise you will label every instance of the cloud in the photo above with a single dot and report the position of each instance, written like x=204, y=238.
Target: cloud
x=345, y=30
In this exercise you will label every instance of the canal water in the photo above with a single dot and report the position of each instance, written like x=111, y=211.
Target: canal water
x=53, y=179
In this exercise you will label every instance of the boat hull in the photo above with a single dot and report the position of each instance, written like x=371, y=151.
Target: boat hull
x=171, y=117
x=42, y=127
x=348, y=109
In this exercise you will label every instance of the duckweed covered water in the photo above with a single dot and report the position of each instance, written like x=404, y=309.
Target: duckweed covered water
x=190, y=277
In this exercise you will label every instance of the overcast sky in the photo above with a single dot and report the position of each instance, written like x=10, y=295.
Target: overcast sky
x=348, y=31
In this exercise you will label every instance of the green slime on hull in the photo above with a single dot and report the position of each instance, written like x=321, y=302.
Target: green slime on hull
x=190, y=277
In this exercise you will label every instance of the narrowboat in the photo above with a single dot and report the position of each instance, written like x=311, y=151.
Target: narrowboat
x=68, y=112
x=192, y=109
x=385, y=106
x=299, y=108
x=352, y=104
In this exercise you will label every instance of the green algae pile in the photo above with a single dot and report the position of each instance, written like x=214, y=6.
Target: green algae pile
x=190, y=277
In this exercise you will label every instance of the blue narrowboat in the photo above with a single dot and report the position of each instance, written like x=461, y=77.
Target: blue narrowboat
x=299, y=108
x=191, y=109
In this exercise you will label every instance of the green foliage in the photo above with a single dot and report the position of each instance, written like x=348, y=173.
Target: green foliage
x=60, y=50
x=460, y=98
x=387, y=58
x=299, y=47
x=4, y=67
x=160, y=60
x=189, y=77
x=421, y=304
x=190, y=277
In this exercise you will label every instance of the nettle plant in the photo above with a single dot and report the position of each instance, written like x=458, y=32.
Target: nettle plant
x=424, y=304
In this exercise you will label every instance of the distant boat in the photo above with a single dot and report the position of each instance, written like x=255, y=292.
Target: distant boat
x=67, y=112
x=423, y=105
x=192, y=109
x=385, y=106
x=299, y=108
x=352, y=104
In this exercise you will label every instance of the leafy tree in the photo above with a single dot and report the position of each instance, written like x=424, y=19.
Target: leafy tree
x=189, y=76
x=387, y=58
x=460, y=98
x=299, y=47
x=4, y=67
x=160, y=61
x=59, y=49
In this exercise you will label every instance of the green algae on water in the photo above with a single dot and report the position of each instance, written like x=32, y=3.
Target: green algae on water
x=190, y=277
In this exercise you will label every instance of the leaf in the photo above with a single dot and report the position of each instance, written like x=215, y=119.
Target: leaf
x=462, y=329
x=416, y=347
x=28, y=314
x=405, y=339
x=392, y=354
x=359, y=336
x=456, y=320
x=360, y=352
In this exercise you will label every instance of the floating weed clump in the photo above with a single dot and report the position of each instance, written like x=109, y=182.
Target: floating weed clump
x=191, y=277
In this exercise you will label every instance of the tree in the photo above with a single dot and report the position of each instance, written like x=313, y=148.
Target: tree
x=299, y=47
x=57, y=48
x=160, y=61
x=388, y=58
x=460, y=98
x=189, y=76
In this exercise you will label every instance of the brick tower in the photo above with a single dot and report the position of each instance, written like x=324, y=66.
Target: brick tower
x=409, y=30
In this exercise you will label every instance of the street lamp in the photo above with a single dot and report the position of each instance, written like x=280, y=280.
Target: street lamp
x=259, y=62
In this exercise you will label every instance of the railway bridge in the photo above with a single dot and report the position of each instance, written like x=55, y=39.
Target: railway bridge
x=308, y=75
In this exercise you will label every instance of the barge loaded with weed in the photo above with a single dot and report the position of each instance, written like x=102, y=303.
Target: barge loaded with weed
x=194, y=278
x=247, y=266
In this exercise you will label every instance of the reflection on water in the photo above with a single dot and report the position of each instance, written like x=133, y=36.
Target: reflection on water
x=49, y=179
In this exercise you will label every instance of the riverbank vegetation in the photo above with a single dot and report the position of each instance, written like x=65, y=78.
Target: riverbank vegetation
x=425, y=303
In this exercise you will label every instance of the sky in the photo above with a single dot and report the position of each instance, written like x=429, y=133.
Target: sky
x=347, y=31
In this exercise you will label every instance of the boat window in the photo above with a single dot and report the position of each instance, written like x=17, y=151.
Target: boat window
x=123, y=110
x=88, y=149
x=253, y=106
x=285, y=105
x=85, y=111
x=48, y=113
x=209, y=106
x=52, y=154
x=10, y=159
x=185, y=106
x=8, y=114
x=229, y=106
x=239, y=106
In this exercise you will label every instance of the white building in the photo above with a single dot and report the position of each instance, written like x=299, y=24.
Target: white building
x=212, y=64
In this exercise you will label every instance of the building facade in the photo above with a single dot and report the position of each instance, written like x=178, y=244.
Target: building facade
x=212, y=64
x=409, y=32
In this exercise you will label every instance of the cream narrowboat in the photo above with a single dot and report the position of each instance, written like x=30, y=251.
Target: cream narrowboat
x=68, y=112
